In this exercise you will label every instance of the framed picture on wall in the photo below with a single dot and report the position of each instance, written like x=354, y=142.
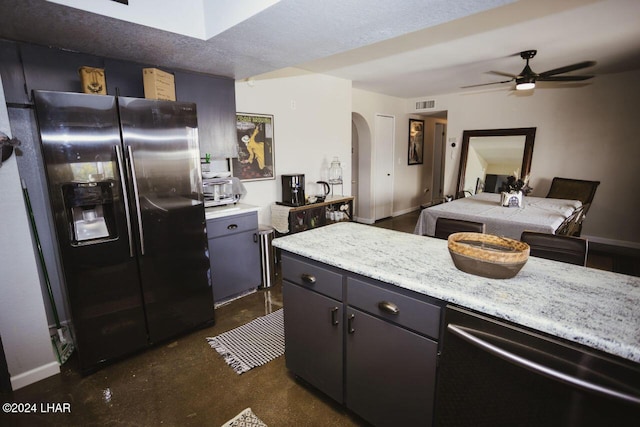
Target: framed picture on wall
x=255, y=140
x=416, y=142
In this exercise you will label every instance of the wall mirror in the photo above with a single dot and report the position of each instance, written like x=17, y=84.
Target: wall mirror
x=490, y=155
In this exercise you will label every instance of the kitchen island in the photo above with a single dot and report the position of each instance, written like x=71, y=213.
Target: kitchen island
x=595, y=308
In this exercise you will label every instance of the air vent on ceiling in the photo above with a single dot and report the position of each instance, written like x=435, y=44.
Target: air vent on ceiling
x=423, y=105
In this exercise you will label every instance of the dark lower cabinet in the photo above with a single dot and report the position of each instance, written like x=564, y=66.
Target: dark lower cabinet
x=313, y=338
x=364, y=343
x=235, y=255
x=390, y=372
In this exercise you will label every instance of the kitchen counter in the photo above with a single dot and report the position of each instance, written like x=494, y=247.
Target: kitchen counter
x=592, y=307
x=227, y=210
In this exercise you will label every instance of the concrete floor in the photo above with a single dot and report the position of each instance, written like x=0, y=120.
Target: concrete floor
x=184, y=382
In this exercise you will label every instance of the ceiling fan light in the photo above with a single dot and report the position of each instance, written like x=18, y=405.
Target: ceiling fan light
x=527, y=82
x=525, y=85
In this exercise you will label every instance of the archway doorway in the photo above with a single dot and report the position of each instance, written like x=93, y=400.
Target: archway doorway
x=361, y=168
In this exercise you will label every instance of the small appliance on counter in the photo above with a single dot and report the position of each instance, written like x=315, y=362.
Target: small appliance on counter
x=293, y=190
x=325, y=191
x=219, y=191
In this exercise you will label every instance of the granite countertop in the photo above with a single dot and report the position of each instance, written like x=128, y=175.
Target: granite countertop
x=228, y=210
x=596, y=308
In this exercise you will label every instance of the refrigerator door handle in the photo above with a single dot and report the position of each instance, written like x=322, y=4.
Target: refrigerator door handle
x=125, y=196
x=134, y=178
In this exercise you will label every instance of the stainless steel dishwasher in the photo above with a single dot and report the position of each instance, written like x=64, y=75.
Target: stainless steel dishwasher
x=492, y=373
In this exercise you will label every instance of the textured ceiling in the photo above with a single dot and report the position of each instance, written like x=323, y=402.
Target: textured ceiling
x=405, y=48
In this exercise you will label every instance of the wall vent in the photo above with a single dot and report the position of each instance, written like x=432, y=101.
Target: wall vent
x=423, y=105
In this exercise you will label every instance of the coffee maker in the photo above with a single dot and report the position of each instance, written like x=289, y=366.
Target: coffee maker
x=293, y=190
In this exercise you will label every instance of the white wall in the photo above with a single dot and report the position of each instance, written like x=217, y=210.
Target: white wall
x=23, y=322
x=409, y=180
x=312, y=124
x=589, y=132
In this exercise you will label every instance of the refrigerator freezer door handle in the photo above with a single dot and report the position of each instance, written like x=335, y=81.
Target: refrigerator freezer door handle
x=125, y=196
x=134, y=179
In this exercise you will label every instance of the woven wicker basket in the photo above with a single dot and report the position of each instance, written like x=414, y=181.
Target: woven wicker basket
x=487, y=255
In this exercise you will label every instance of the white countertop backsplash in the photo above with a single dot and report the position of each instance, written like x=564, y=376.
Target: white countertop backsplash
x=228, y=210
x=596, y=308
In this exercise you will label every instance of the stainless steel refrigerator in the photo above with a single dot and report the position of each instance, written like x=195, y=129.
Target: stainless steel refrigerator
x=126, y=195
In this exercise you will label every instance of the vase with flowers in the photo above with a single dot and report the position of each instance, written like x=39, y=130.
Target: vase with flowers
x=513, y=190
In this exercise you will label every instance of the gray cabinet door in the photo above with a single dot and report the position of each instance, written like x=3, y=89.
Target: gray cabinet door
x=390, y=372
x=216, y=101
x=313, y=332
x=235, y=264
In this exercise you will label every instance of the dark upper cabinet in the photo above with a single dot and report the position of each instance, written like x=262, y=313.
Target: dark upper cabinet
x=12, y=75
x=216, y=101
x=26, y=67
x=124, y=78
x=54, y=69
x=11, y=72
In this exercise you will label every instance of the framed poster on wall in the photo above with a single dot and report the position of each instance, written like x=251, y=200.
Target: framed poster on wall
x=255, y=140
x=416, y=142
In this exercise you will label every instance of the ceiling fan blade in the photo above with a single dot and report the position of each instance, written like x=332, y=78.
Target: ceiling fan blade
x=500, y=73
x=563, y=78
x=568, y=68
x=487, y=84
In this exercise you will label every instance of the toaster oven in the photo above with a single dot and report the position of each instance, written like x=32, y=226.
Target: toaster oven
x=219, y=191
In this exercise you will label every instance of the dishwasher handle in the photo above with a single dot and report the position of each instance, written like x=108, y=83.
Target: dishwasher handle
x=467, y=334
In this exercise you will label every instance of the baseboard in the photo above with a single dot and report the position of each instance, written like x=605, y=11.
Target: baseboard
x=406, y=211
x=612, y=242
x=393, y=215
x=368, y=221
x=35, y=375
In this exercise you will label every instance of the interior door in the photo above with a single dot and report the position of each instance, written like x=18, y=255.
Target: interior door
x=383, y=166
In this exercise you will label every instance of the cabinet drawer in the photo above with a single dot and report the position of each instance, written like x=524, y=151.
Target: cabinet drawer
x=411, y=313
x=312, y=276
x=232, y=224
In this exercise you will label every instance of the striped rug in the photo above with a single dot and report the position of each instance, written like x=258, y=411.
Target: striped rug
x=253, y=344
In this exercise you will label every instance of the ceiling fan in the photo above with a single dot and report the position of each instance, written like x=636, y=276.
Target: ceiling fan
x=527, y=78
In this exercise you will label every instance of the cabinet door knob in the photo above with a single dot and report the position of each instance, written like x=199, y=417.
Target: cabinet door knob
x=388, y=307
x=334, y=316
x=308, y=278
x=232, y=226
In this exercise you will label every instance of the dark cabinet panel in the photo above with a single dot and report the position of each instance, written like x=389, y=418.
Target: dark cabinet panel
x=312, y=276
x=54, y=69
x=419, y=316
x=379, y=359
x=313, y=333
x=216, y=101
x=390, y=372
x=12, y=75
x=124, y=78
x=234, y=252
